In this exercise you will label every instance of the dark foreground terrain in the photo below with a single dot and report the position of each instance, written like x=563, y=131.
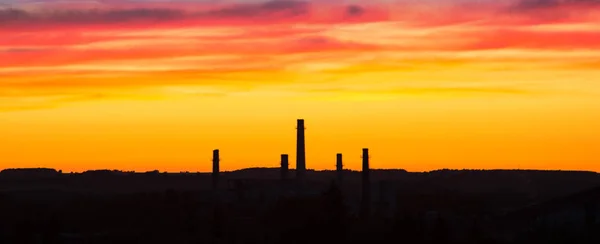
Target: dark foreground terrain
x=259, y=206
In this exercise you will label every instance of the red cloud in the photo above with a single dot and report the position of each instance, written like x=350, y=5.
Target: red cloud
x=527, y=39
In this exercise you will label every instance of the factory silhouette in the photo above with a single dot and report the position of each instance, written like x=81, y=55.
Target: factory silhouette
x=299, y=183
x=281, y=205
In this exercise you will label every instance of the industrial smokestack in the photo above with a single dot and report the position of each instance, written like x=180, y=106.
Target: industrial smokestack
x=366, y=185
x=215, y=173
x=339, y=168
x=284, y=166
x=300, y=151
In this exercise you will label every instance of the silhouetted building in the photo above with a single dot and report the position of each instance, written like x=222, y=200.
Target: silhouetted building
x=300, y=151
x=215, y=173
x=284, y=166
x=365, y=208
x=339, y=168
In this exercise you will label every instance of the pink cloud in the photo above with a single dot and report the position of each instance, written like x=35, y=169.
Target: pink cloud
x=527, y=39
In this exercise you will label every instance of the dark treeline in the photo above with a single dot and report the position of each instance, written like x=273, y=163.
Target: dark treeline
x=325, y=213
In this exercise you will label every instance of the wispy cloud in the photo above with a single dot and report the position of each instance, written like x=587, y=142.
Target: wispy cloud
x=142, y=45
x=459, y=90
x=92, y=16
x=10, y=50
x=428, y=90
x=288, y=8
x=346, y=94
x=354, y=10
x=541, y=4
x=151, y=13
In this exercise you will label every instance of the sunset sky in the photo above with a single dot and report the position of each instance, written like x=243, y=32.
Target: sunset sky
x=424, y=84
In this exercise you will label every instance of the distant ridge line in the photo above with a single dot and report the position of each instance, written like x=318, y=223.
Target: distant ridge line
x=49, y=170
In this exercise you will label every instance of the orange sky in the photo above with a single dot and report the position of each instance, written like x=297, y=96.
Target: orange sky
x=423, y=84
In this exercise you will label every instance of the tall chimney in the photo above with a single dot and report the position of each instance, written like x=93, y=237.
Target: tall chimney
x=215, y=173
x=366, y=185
x=300, y=151
x=284, y=166
x=339, y=168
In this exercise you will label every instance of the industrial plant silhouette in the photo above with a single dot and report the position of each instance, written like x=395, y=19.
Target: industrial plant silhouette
x=263, y=205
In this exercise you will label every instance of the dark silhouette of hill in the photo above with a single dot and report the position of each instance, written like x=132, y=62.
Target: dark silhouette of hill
x=17, y=174
x=257, y=206
x=536, y=184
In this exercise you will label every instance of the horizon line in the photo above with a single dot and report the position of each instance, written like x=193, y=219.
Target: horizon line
x=293, y=169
